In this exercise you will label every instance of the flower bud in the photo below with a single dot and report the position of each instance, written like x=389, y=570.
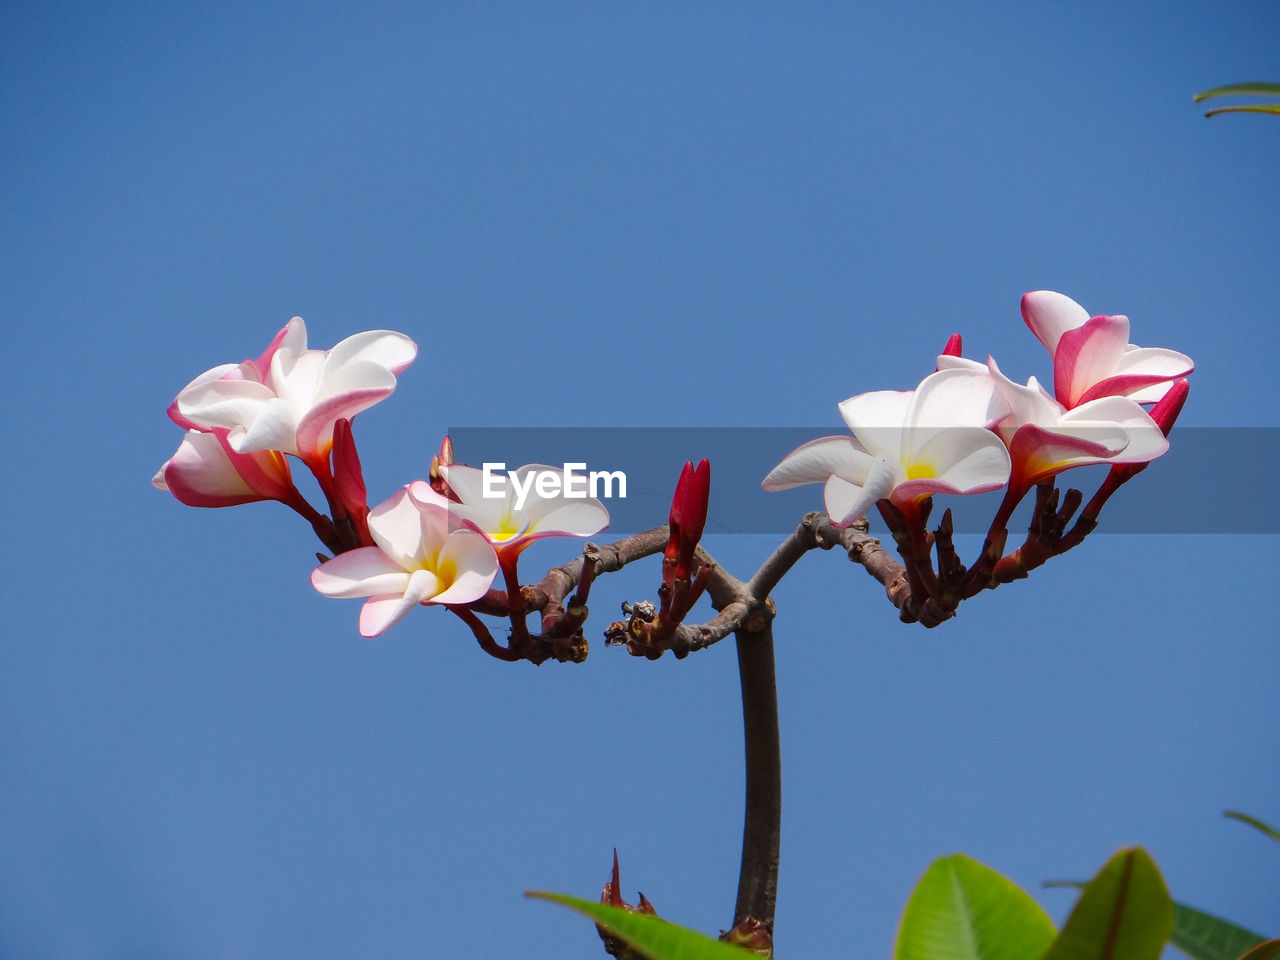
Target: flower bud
x=687, y=518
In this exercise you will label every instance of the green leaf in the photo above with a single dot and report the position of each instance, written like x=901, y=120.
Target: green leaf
x=1202, y=936
x=1264, y=951
x=652, y=936
x=1261, y=89
x=1199, y=935
x=1124, y=913
x=1256, y=108
x=1254, y=822
x=961, y=910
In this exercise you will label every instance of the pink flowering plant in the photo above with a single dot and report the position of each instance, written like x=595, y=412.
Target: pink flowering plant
x=454, y=538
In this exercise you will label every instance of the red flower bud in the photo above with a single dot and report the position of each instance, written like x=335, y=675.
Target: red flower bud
x=687, y=518
x=348, y=480
x=1166, y=411
x=952, y=349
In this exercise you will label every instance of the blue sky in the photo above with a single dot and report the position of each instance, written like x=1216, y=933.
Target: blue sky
x=604, y=215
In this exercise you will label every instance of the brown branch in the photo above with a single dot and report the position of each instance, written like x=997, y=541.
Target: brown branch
x=866, y=550
x=483, y=636
x=762, y=821
x=609, y=557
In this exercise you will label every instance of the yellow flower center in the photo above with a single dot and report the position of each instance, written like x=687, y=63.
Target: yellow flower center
x=508, y=527
x=920, y=471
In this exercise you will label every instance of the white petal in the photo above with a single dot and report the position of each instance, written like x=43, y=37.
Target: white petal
x=384, y=348
x=500, y=524
x=295, y=336
x=423, y=585
x=951, y=399
x=967, y=459
x=884, y=475
x=1154, y=361
x=397, y=527
x=380, y=614
x=295, y=377
x=577, y=518
x=877, y=418
x=292, y=337
x=211, y=376
x=1050, y=315
x=223, y=403
x=536, y=504
x=948, y=362
x=815, y=461
x=1143, y=440
x=1027, y=404
x=358, y=377
x=839, y=497
x=363, y=572
x=491, y=515
x=467, y=566
x=274, y=428
x=468, y=484
x=1111, y=437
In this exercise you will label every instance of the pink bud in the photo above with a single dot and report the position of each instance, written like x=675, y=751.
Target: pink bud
x=348, y=478
x=434, y=477
x=1166, y=410
x=952, y=349
x=688, y=516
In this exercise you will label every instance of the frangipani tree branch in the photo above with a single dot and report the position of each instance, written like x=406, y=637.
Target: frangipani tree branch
x=445, y=540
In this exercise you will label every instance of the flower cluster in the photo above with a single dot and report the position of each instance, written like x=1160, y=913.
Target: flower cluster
x=440, y=542
x=967, y=428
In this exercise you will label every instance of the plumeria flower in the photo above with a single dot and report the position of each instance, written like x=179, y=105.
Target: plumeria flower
x=510, y=520
x=906, y=446
x=1092, y=356
x=1044, y=437
x=289, y=398
x=417, y=559
x=206, y=472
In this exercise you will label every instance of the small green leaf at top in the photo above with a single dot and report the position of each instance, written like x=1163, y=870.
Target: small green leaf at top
x=1254, y=108
x=652, y=936
x=962, y=910
x=1124, y=913
x=1254, y=822
x=1243, y=89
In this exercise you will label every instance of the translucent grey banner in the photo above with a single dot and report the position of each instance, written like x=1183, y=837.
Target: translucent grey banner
x=1212, y=480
